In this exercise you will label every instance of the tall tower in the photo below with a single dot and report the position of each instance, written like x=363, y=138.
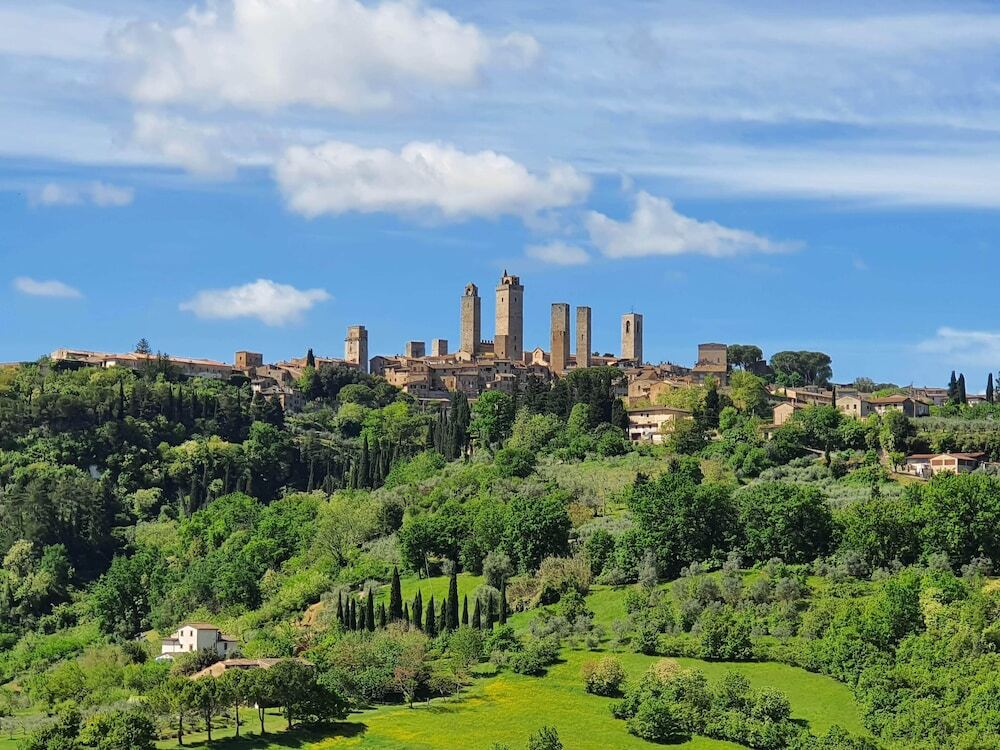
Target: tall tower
x=632, y=337
x=509, y=340
x=356, y=347
x=583, y=337
x=471, y=324
x=560, y=338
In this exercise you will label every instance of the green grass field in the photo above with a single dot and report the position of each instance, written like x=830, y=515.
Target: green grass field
x=508, y=707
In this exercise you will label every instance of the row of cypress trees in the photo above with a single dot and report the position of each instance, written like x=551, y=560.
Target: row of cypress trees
x=426, y=617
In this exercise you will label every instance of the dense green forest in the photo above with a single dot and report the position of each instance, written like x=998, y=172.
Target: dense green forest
x=389, y=554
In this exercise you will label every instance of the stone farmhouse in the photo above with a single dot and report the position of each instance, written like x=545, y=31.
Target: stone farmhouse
x=195, y=637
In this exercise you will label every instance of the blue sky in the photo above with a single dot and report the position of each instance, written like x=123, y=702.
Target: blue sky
x=262, y=173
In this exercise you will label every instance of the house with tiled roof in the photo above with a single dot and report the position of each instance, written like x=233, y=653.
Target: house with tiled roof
x=194, y=637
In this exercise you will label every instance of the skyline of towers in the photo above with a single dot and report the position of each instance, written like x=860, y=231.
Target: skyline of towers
x=559, y=345
x=356, y=347
x=583, y=342
x=508, y=340
x=632, y=337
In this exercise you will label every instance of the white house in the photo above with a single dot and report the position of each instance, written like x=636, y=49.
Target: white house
x=194, y=637
x=649, y=423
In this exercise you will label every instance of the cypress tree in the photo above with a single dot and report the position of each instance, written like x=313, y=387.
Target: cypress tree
x=364, y=470
x=395, y=596
x=962, y=399
x=477, y=616
x=465, y=610
x=370, y=611
x=429, y=624
x=121, y=400
x=310, y=359
x=453, y=600
x=989, y=389
x=952, y=389
x=381, y=616
x=406, y=613
x=503, y=600
x=340, y=608
x=418, y=610
x=491, y=615
x=443, y=618
x=354, y=616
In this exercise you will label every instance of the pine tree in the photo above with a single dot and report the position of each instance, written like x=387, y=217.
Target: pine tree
x=465, y=610
x=370, y=611
x=503, y=600
x=989, y=389
x=453, y=600
x=962, y=399
x=395, y=596
x=429, y=619
x=477, y=616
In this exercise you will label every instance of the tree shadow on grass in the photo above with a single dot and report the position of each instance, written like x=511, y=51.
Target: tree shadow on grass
x=290, y=739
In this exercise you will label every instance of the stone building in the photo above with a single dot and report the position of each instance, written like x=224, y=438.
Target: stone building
x=712, y=362
x=439, y=347
x=470, y=334
x=246, y=360
x=356, y=347
x=583, y=340
x=632, y=337
x=508, y=340
x=559, y=353
x=415, y=349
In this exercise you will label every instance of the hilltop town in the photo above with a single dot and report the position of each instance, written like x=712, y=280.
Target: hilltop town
x=479, y=365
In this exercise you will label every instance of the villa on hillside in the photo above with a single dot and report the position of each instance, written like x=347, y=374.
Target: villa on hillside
x=926, y=465
x=647, y=424
x=194, y=637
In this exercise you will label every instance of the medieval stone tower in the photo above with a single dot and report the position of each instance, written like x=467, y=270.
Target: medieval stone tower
x=583, y=343
x=632, y=337
x=471, y=332
x=356, y=347
x=509, y=340
x=560, y=338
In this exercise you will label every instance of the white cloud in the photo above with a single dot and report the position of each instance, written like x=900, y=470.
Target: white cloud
x=656, y=228
x=272, y=303
x=963, y=347
x=877, y=172
x=99, y=194
x=197, y=148
x=50, y=288
x=339, y=177
x=558, y=253
x=265, y=54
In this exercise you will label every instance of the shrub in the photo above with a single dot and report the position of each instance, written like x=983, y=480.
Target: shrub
x=655, y=721
x=546, y=738
x=604, y=676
